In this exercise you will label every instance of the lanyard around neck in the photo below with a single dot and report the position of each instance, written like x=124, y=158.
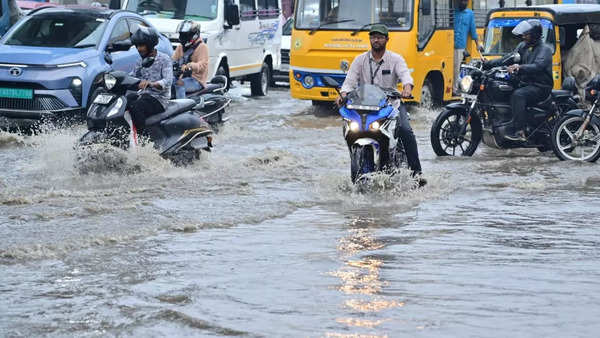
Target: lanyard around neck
x=374, y=74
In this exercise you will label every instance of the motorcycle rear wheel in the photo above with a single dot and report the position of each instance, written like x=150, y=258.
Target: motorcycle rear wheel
x=566, y=148
x=446, y=138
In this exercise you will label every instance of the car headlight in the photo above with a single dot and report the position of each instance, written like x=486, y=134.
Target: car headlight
x=466, y=84
x=109, y=81
x=375, y=125
x=308, y=81
x=354, y=126
x=114, y=110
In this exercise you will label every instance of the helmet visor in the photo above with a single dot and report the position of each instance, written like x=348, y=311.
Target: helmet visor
x=522, y=28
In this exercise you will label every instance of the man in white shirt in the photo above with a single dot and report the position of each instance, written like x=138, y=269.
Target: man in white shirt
x=385, y=69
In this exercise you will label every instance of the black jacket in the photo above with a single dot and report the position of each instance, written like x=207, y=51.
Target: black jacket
x=535, y=67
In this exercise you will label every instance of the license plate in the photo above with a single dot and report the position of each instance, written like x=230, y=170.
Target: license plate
x=15, y=93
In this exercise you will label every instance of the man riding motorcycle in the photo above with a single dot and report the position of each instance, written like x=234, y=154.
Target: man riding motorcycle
x=385, y=69
x=535, y=74
x=192, y=53
x=155, y=69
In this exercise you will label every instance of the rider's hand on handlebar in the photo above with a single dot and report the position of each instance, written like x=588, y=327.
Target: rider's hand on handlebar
x=340, y=99
x=407, y=91
x=144, y=84
x=513, y=68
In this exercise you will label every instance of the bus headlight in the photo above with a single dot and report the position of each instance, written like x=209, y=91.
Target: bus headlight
x=354, y=127
x=466, y=84
x=375, y=125
x=308, y=81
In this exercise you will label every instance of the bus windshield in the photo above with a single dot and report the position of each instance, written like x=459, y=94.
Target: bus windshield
x=499, y=39
x=353, y=14
x=204, y=10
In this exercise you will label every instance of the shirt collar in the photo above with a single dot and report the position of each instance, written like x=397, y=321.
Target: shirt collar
x=373, y=59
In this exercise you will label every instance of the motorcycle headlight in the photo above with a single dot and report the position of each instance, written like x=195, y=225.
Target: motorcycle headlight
x=375, y=125
x=466, y=84
x=115, y=109
x=354, y=127
x=109, y=81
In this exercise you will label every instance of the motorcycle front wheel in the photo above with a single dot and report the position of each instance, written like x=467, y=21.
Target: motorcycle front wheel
x=448, y=138
x=567, y=147
x=361, y=162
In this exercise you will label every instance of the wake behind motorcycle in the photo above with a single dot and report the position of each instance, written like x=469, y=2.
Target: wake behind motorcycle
x=179, y=133
x=370, y=129
x=485, y=113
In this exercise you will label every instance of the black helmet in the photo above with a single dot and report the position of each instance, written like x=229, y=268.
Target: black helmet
x=532, y=27
x=189, y=32
x=145, y=36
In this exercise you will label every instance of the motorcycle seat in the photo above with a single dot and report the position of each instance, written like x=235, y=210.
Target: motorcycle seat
x=209, y=88
x=561, y=93
x=174, y=107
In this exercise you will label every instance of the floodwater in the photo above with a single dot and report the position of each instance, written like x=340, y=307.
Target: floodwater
x=266, y=236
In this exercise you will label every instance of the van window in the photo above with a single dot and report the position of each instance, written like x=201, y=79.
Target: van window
x=204, y=10
x=268, y=9
x=247, y=9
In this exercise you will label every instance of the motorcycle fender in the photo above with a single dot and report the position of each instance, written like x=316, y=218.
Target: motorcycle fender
x=92, y=137
x=581, y=113
x=366, y=142
x=456, y=105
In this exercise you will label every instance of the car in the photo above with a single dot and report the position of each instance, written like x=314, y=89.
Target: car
x=283, y=74
x=51, y=61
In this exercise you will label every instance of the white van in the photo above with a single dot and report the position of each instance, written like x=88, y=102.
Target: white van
x=243, y=36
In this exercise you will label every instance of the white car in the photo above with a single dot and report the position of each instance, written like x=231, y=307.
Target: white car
x=243, y=36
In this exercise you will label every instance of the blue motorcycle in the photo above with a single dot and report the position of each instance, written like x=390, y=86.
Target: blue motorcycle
x=369, y=116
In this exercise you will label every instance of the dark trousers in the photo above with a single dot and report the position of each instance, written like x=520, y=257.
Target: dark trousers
x=521, y=99
x=405, y=133
x=142, y=107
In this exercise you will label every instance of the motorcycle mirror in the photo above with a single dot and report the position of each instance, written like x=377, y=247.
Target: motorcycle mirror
x=108, y=58
x=330, y=82
x=516, y=57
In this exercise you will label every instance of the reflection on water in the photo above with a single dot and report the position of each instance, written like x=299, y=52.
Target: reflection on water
x=360, y=277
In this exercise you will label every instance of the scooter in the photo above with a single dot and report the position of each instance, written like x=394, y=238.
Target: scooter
x=179, y=133
x=212, y=95
x=370, y=129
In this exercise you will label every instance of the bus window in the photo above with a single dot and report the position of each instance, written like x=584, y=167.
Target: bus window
x=175, y=9
x=351, y=14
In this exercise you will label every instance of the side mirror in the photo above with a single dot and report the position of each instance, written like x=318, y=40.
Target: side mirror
x=108, y=58
x=516, y=58
x=330, y=82
x=562, y=36
x=232, y=15
x=426, y=7
x=119, y=46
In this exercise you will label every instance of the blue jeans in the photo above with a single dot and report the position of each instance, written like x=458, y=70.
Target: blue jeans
x=189, y=85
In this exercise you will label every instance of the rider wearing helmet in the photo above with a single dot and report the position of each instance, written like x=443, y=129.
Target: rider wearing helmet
x=156, y=73
x=192, y=55
x=535, y=73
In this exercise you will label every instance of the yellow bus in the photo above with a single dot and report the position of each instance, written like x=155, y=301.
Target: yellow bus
x=328, y=34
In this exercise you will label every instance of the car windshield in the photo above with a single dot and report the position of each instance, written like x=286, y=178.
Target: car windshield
x=58, y=30
x=499, y=39
x=352, y=14
x=199, y=10
x=367, y=95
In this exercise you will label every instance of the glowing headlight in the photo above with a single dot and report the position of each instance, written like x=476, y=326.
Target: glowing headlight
x=109, y=81
x=354, y=127
x=309, y=81
x=375, y=125
x=116, y=108
x=466, y=84
x=76, y=82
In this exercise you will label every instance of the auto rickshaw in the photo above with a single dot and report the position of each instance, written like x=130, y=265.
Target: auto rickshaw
x=562, y=26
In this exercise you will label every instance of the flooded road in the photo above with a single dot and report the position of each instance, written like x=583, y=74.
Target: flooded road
x=267, y=237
